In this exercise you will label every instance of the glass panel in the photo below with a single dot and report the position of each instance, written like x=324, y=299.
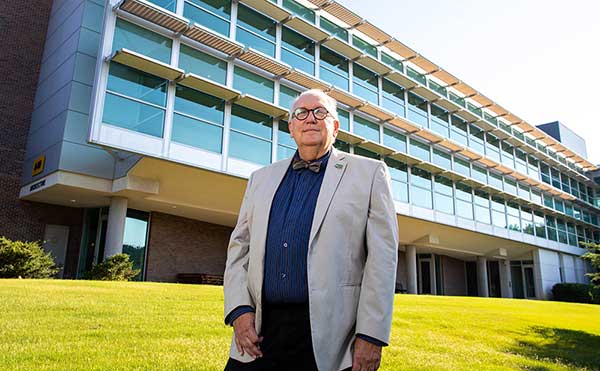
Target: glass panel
x=420, y=150
x=400, y=191
x=344, y=118
x=287, y=146
x=287, y=96
x=365, y=153
x=298, y=51
x=443, y=185
x=299, y=10
x=202, y=64
x=139, y=117
x=167, y=4
x=364, y=46
x=398, y=169
x=197, y=133
x=141, y=40
x=366, y=129
x=251, y=122
x=393, y=97
x=341, y=145
x=510, y=186
x=213, y=14
x=464, y=209
x=200, y=105
x=476, y=139
x=256, y=30
x=458, y=130
x=444, y=203
x=421, y=197
x=420, y=178
x=442, y=159
x=135, y=241
x=495, y=180
x=248, y=82
x=365, y=84
x=334, y=68
x=415, y=75
x=391, y=61
x=417, y=109
x=394, y=140
x=137, y=84
x=480, y=174
x=461, y=166
x=333, y=28
x=249, y=148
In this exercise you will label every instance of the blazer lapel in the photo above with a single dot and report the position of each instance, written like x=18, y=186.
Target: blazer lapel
x=336, y=166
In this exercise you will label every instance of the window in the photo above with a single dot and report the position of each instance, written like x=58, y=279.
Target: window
x=213, y=14
x=420, y=188
x=510, y=185
x=392, y=62
x=344, y=119
x=417, y=109
x=492, y=147
x=364, y=46
x=512, y=216
x=527, y=221
x=459, y=131
x=198, y=119
x=545, y=170
x=399, y=175
x=256, y=30
x=482, y=207
x=559, y=205
x=508, y=157
x=572, y=235
x=135, y=100
x=334, y=68
x=299, y=10
x=476, y=138
x=498, y=212
x=462, y=166
x=141, y=40
x=254, y=84
x=548, y=202
x=439, y=120
x=250, y=137
x=551, y=228
x=298, y=51
x=480, y=174
x=341, y=146
x=287, y=96
x=555, y=177
x=533, y=164
x=536, y=197
x=167, y=4
x=202, y=64
x=561, y=227
x=420, y=150
x=442, y=159
x=393, y=97
x=334, y=29
x=540, y=226
x=366, y=129
x=524, y=191
x=464, y=201
x=495, y=180
x=365, y=84
x=365, y=153
x=286, y=147
x=443, y=195
x=135, y=234
x=394, y=140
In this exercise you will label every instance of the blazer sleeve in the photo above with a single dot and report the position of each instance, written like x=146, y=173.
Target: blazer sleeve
x=235, y=280
x=376, y=302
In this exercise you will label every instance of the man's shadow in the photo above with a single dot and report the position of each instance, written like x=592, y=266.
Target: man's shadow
x=569, y=347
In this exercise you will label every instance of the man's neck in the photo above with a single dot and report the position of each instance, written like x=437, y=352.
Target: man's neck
x=312, y=153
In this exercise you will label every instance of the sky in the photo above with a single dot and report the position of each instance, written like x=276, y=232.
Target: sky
x=536, y=58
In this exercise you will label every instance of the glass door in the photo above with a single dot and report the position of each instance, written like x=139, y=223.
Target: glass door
x=529, y=282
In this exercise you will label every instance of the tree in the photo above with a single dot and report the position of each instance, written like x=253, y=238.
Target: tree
x=115, y=268
x=593, y=256
x=25, y=260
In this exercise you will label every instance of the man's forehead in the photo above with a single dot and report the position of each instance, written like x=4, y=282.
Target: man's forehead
x=311, y=99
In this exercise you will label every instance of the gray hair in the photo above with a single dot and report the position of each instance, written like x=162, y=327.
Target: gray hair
x=330, y=103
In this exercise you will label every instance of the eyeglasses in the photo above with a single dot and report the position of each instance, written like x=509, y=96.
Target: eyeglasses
x=301, y=113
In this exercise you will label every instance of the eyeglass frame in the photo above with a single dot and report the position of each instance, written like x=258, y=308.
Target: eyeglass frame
x=308, y=111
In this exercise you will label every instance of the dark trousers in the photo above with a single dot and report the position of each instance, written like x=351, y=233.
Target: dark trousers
x=287, y=343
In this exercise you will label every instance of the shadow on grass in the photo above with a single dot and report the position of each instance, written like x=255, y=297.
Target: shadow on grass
x=568, y=347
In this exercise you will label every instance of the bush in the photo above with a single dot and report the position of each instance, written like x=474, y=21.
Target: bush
x=116, y=268
x=576, y=293
x=25, y=260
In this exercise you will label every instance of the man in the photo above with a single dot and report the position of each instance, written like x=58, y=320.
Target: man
x=311, y=264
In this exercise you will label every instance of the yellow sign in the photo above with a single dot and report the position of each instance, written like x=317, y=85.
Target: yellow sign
x=38, y=165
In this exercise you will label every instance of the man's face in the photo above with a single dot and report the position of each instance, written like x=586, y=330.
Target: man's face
x=312, y=131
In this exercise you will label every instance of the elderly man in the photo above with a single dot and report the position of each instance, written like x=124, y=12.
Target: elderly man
x=311, y=264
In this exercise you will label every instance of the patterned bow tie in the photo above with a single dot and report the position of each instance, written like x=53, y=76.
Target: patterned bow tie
x=314, y=166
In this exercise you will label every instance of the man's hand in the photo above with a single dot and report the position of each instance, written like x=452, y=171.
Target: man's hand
x=246, y=339
x=367, y=356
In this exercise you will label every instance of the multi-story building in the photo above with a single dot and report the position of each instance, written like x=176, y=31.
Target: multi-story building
x=149, y=115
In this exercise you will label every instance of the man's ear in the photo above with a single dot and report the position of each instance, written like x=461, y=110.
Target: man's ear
x=291, y=128
x=336, y=128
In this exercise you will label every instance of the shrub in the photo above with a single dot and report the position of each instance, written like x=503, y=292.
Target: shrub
x=576, y=293
x=25, y=260
x=115, y=268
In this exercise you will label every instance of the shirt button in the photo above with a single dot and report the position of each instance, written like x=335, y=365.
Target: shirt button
x=282, y=275
x=285, y=244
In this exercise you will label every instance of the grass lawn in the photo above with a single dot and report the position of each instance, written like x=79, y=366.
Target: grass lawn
x=88, y=325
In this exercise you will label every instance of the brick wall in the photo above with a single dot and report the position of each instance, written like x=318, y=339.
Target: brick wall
x=181, y=245
x=23, y=25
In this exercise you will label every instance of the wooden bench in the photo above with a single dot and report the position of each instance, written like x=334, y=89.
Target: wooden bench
x=200, y=278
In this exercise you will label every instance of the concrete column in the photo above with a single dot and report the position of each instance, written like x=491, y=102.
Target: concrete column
x=411, y=269
x=505, y=279
x=482, y=277
x=538, y=276
x=115, y=227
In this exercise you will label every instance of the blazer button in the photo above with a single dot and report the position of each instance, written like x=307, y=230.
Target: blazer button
x=282, y=275
x=285, y=244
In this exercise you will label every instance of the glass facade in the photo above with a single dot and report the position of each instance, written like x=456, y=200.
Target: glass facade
x=201, y=120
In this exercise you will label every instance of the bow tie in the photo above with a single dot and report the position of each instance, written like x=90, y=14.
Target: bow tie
x=299, y=164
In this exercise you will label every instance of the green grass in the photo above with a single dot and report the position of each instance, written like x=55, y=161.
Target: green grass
x=88, y=325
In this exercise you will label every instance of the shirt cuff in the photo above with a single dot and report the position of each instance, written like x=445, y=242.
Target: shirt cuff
x=371, y=340
x=236, y=313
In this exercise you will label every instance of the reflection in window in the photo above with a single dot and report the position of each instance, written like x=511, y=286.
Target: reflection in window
x=459, y=131
x=393, y=97
x=420, y=150
x=253, y=84
x=141, y=40
x=333, y=28
x=364, y=46
x=213, y=14
x=439, y=120
x=198, y=119
x=365, y=84
x=202, y=64
x=334, y=68
x=287, y=96
x=341, y=145
x=420, y=188
x=399, y=174
x=256, y=30
x=417, y=109
x=135, y=240
x=366, y=153
x=286, y=147
x=298, y=51
x=444, y=200
x=344, y=119
x=135, y=100
x=299, y=10
x=366, y=129
x=394, y=140
x=464, y=201
x=250, y=137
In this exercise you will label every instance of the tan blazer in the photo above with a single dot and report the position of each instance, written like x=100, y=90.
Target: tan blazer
x=353, y=251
